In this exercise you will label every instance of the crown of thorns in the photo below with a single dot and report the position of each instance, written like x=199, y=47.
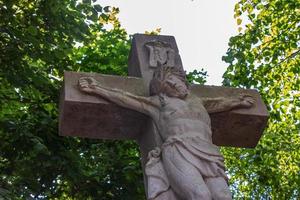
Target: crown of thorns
x=162, y=72
x=160, y=76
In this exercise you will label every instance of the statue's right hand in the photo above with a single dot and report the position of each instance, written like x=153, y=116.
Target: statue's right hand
x=87, y=84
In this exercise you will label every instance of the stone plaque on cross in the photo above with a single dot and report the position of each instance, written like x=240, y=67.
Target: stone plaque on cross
x=86, y=115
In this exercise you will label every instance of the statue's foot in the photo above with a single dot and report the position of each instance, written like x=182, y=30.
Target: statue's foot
x=87, y=84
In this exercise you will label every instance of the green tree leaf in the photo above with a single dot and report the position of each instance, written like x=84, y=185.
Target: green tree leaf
x=265, y=56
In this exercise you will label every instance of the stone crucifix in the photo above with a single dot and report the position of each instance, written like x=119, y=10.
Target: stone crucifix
x=176, y=125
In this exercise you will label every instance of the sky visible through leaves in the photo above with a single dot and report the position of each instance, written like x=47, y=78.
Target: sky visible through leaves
x=201, y=28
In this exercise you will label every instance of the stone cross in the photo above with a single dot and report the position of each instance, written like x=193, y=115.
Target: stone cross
x=92, y=117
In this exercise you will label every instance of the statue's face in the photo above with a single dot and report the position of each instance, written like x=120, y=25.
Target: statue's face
x=175, y=87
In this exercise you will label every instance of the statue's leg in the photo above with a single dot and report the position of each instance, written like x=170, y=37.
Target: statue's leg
x=168, y=195
x=184, y=178
x=218, y=188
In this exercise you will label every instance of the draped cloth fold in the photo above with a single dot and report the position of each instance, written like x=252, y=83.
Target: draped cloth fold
x=204, y=156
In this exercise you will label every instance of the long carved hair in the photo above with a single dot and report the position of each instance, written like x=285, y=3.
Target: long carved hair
x=160, y=76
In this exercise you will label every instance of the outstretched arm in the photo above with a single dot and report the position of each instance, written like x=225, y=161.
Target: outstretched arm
x=221, y=104
x=146, y=105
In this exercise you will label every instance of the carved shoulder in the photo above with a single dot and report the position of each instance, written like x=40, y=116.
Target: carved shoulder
x=194, y=100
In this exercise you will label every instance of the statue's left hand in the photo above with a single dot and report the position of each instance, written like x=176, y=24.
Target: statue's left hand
x=246, y=101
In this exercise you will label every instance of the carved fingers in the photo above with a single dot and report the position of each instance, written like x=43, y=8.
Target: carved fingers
x=246, y=100
x=87, y=84
x=155, y=153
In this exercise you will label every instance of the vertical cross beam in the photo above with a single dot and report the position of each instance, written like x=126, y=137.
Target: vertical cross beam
x=147, y=53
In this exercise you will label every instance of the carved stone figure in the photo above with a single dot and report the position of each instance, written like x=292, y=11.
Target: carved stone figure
x=187, y=165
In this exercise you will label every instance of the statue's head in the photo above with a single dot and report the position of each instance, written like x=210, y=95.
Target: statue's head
x=170, y=81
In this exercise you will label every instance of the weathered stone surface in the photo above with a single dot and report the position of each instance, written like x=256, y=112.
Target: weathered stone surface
x=238, y=127
x=89, y=116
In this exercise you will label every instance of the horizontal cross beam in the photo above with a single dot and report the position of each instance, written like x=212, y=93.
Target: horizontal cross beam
x=89, y=116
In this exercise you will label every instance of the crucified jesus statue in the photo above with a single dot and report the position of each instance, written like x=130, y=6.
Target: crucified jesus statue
x=187, y=165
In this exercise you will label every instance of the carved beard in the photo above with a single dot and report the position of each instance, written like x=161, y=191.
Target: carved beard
x=173, y=91
x=173, y=84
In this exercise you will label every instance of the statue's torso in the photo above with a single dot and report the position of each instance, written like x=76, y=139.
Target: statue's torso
x=184, y=118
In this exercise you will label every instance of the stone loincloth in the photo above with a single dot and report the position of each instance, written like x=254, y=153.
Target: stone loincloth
x=204, y=156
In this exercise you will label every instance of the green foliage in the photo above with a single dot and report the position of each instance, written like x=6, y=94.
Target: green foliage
x=266, y=56
x=198, y=77
x=107, y=51
x=38, y=41
x=153, y=32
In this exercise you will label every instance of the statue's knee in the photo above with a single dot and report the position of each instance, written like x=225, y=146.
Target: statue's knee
x=201, y=193
x=223, y=195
